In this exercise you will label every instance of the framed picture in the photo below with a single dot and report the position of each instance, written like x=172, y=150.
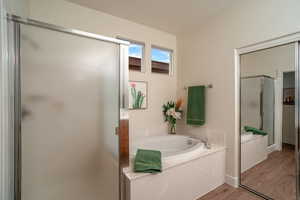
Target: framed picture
x=138, y=95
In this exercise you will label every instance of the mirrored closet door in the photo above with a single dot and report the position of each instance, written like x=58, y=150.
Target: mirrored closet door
x=268, y=119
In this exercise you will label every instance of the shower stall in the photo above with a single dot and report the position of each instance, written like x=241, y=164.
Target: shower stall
x=70, y=93
x=258, y=104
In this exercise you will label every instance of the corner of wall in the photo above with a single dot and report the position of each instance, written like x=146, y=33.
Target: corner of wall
x=232, y=181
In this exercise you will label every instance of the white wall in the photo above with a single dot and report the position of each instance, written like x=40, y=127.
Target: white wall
x=18, y=7
x=207, y=56
x=161, y=87
x=269, y=61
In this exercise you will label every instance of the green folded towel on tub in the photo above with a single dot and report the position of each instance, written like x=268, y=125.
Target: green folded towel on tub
x=147, y=161
x=255, y=131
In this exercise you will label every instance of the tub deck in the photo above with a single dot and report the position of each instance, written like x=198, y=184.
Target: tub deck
x=195, y=173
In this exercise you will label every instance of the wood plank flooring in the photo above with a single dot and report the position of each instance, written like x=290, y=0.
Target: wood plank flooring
x=226, y=192
x=274, y=177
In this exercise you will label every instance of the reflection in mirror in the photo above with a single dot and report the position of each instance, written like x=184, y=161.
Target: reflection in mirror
x=267, y=121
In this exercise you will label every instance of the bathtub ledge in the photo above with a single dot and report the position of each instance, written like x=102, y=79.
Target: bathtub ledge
x=173, y=161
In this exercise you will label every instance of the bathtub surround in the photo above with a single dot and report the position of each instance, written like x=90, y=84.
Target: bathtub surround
x=253, y=150
x=183, y=158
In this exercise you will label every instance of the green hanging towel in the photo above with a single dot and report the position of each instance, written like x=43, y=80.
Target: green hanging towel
x=255, y=131
x=196, y=105
x=147, y=161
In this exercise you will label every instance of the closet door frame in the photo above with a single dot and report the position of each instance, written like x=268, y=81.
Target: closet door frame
x=286, y=39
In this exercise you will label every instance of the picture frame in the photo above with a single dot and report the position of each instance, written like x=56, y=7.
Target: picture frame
x=138, y=95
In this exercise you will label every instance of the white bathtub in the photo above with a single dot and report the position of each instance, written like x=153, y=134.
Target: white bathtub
x=168, y=145
x=187, y=166
x=253, y=150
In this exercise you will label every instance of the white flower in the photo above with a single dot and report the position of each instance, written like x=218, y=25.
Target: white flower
x=171, y=112
x=176, y=115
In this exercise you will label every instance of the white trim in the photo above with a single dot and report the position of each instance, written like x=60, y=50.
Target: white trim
x=278, y=113
x=233, y=181
x=271, y=148
x=143, y=44
x=281, y=40
x=171, y=64
x=237, y=137
x=290, y=38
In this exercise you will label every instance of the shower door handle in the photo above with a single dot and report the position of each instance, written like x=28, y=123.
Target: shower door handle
x=25, y=112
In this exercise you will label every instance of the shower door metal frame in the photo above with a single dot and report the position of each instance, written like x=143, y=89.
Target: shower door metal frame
x=14, y=27
x=283, y=40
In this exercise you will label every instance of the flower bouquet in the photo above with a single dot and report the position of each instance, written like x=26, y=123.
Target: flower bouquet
x=172, y=112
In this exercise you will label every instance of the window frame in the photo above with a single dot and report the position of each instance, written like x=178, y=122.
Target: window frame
x=143, y=59
x=171, y=64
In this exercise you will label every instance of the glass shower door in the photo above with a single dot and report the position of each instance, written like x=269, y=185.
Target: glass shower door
x=251, y=103
x=69, y=89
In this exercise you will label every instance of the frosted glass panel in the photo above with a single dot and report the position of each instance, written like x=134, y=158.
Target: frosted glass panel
x=250, y=103
x=69, y=89
x=268, y=109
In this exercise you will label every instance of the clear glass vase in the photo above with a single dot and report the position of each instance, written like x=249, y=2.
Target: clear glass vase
x=172, y=128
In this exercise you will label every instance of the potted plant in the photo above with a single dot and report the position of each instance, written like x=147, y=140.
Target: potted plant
x=172, y=112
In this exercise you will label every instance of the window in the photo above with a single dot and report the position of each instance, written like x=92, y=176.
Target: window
x=161, y=60
x=136, y=56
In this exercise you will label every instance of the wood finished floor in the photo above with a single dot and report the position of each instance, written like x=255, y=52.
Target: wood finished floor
x=226, y=192
x=275, y=177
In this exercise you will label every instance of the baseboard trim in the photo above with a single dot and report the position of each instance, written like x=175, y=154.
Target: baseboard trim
x=233, y=181
x=273, y=147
